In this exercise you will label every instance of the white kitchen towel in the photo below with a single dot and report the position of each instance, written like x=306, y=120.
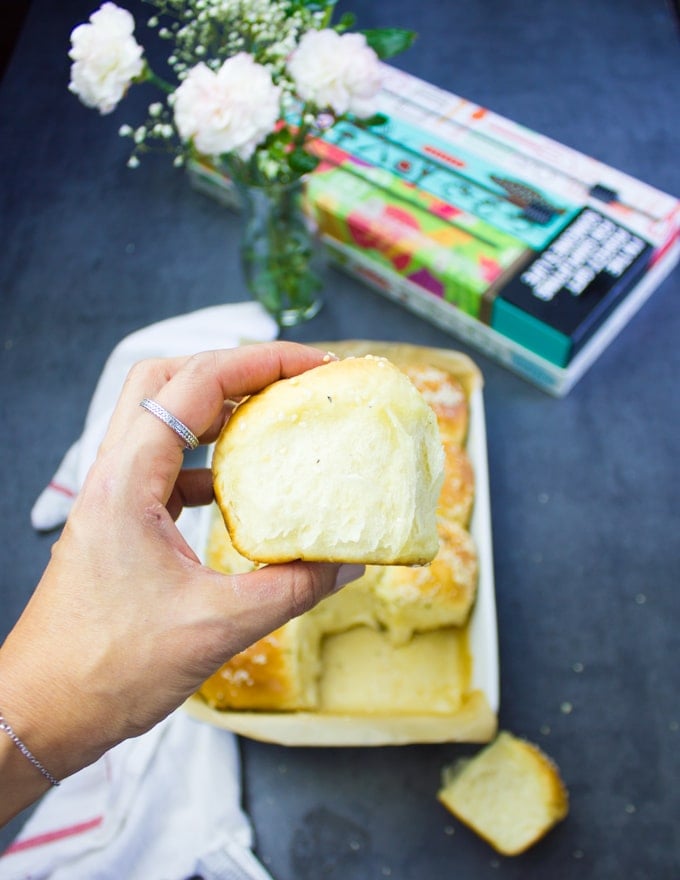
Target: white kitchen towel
x=166, y=805
x=223, y=326
x=163, y=806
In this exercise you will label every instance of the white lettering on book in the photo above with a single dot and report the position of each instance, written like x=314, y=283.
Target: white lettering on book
x=592, y=245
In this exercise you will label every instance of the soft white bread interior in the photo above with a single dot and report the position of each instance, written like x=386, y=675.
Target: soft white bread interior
x=510, y=793
x=343, y=463
x=392, y=640
x=364, y=674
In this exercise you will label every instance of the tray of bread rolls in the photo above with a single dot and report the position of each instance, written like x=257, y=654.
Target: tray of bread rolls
x=406, y=654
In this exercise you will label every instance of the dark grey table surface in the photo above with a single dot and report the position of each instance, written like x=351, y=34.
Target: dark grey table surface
x=584, y=490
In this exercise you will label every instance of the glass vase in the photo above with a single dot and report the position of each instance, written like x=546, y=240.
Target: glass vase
x=277, y=252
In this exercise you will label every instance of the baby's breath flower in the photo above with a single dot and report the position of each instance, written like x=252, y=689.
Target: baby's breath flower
x=270, y=168
x=254, y=110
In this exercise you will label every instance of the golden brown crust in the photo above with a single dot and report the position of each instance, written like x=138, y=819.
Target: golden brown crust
x=446, y=396
x=277, y=672
x=458, y=491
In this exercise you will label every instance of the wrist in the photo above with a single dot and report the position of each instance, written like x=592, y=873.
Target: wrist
x=22, y=781
x=46, y=708
x=6, y=728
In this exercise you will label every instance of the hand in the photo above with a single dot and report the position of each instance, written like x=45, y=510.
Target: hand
x=126, y=623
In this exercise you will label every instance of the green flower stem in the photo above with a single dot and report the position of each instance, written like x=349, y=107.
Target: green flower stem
x=276, y=252
x=148, y=75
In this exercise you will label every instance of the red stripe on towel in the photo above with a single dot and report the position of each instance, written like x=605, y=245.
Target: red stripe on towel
x=51, y=836
x=63, y=489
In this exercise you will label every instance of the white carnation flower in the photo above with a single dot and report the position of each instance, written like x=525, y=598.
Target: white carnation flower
x=339, y=71
x=106, y=58
x=230, y=110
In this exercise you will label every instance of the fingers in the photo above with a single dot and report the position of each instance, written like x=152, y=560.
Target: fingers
x=145, y=379
x=193, y=488
x=197, y=390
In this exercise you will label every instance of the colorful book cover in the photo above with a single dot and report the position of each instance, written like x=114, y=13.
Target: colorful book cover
x=591, y=232
x=534, y=252
x=448, y=253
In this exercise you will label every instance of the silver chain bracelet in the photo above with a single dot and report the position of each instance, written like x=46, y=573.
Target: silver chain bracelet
x=4, y=725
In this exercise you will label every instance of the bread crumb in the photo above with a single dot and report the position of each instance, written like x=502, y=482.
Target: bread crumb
x=237, y=676
x=577, y=667
x=566, y=708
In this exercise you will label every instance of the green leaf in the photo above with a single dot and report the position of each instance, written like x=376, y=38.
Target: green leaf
x=314, y=5
x=302, y=162
x=387, y=42
x=282, y=136
x=372, y=121
x=347, y=21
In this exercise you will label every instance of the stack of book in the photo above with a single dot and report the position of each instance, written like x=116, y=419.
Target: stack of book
x=527, y=250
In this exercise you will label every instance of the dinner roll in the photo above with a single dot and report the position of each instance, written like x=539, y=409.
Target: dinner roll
x=278, y=672
x=438, y=595
x=510, y=793
x=342, y=463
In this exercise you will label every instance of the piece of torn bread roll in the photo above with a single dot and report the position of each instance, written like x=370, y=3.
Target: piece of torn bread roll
x=511, y=793
x=343, y=463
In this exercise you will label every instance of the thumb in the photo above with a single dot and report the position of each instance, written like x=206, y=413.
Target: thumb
x=260, y=601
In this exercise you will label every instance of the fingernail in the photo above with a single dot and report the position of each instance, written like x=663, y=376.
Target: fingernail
x=347, y=573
